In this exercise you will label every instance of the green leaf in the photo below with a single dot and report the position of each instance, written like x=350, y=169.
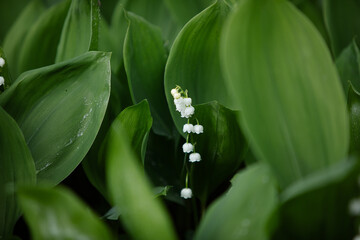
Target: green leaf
x=144, y=59
x=16, y=167
x=61, y=106
x=283, y=90
x=59, y=214
x=143, y=215
x=354, y=113
x=137, y=121
x=317, y=207
x=14, y=39
x=222, y=147
x=39, y=46
x=348, y=65
x=184, y=10
x=244, y=211
x=342, y=20
x=80, y=31
x=194, y=61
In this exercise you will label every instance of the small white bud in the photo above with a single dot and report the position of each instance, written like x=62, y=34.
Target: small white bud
x=198, y=129
x=186, y=193
x=187, y=102
x=194, y=157
x=173, y=91
x=354, y=207
x=188, y=147
x=2, y=81
x=177, y=95
x=189, y=111
x=2, y=62
x=189, y=128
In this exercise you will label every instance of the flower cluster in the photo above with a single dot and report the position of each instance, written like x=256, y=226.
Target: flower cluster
x=183, y=105
x=354, y=209
x=2, y=63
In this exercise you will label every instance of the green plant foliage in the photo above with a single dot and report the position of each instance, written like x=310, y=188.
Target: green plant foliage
x=194, y=60
x=342, y=20
x=145, y=58
x=59, y=109
x=288, y=116
x=5, y=71
x=42, y=39
x=137, y=121
x=307, y=204
x=14, y=39
x=245, y=210
x=222, y=147
x=16, y=167
x=59, y=214
x=143, y=215
x=348, y=65
x=80, y=31
x=354, y=113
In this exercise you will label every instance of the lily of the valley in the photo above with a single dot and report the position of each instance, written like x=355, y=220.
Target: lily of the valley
x=186, y=193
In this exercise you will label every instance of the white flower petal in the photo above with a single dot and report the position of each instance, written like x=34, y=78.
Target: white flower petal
x=173, y=91
x=177, y=95
x=187, y=102
x=189, y=128
x=188, y=147
x=186, y=193
x=194, y=157
x=198, y=129
x=2, y=81
x=2, y=62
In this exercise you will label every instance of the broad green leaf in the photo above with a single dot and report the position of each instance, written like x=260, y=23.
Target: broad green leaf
x=283, y=90
x=316, y=207
x=244, y=211
x=222, y=147
x=348, y=65
x=39, y=46
x=144, y=59
x=184, y=10
x=16, y=167
x=59, y=109
x=5, y=71
x=194, y=61
x=80, y=31
x=142, y=215
x=14, y=39
x=59, y=214
x=342, y=20
x=354, y=113
x=137, y=121
x=154, y=11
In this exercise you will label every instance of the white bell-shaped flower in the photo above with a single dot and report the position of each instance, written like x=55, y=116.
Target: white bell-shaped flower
x=194, y=157
x=177, y=95
x=186, y=193
x=180, y=105
x=173, y=91
x=2, y=81
x=2, y=62
x=188, y=128
x=188, y=147
x=198, y=129
x=187, y=102
x=354, y=207
x=188, y=112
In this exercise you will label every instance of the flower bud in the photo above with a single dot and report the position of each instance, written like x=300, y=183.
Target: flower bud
x=2, y=81
x=173, y=91
x=177, y=95
x=186, y=193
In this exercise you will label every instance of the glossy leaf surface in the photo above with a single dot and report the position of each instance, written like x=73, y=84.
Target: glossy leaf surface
x=59, y=214
x=16, y=167
x=40, y=44
x=59, y=109
x=342, y=20
x=145, y=58
x=222, y=147
x=288, y=116
x=143, y=215
x=244, y=211
x=137, y=121
x=14, y=39
x=194, y=62
x=309, y=206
